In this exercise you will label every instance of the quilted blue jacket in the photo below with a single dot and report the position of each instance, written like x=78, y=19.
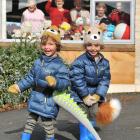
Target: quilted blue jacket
x=89, y=77
x=40, y=100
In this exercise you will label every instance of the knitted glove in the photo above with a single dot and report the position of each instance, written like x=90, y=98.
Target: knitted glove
x=88, y=100
x=14, y=89
x=51, y=81
x=95, y=98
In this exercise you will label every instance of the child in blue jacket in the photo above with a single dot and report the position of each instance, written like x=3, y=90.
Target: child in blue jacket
x=90, y=78
x=46, y=75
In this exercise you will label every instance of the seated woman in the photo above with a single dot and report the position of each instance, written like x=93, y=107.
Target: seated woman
x=58, y=14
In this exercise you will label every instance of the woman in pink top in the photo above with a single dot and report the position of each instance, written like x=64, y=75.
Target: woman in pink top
x=57, y=15
x=34, y=16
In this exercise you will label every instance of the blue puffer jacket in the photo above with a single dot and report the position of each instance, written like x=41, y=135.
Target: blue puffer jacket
x=40, y=100
x=89, y=77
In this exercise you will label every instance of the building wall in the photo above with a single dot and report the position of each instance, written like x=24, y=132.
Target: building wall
x=122, y=65
x=3, y=17
x=0, y=18
x=137, y=43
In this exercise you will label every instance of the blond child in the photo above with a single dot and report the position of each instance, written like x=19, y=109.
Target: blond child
x=101, y=9
x=47, y=74
x=90, y=78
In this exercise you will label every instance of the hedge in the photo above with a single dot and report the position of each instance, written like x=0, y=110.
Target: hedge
x=15, y=61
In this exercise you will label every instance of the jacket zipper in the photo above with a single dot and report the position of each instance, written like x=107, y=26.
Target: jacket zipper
x=45, y=100
x=97, y=71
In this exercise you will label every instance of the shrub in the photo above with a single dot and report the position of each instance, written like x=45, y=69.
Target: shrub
x=15, y=61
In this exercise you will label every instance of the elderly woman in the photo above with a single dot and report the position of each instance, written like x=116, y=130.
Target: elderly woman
x=34, y=16
x=57, y=14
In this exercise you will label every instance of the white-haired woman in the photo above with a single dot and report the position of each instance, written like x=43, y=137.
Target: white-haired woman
x=34, y=16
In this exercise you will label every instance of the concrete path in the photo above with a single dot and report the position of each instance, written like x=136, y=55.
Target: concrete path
x=126, y=127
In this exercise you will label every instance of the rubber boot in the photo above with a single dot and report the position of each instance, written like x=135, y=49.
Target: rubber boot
x=96, y=127
x=50, y=138
x=85, y=134
x=25, y=136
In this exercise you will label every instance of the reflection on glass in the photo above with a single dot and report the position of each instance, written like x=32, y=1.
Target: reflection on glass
x=24, y=16
x=113, y=18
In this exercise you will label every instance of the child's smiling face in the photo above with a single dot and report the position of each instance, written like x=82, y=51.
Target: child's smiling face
x=93, y=49
x=49, y=48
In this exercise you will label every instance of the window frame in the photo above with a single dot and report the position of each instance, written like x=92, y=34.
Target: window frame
x=3, y=20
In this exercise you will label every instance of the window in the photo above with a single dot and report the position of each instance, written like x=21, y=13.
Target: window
x=123, y=22
x=115, y=18
x=15, y=9
x=2, y=19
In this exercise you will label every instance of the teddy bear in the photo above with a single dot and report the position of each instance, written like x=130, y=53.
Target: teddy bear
x=78, y=29
x=77, y=36
x=107, y=28
x=109, y=33
x=80, y=23
x=103, y=24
